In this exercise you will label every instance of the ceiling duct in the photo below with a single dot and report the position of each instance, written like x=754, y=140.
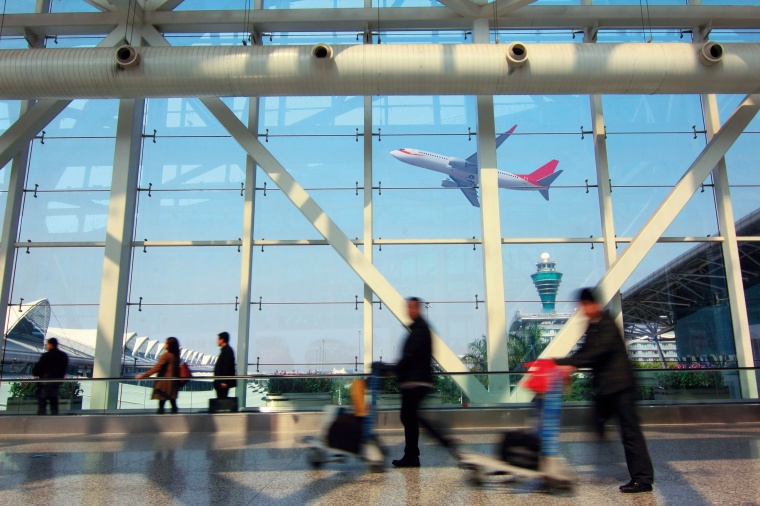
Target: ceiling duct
x=386, y=69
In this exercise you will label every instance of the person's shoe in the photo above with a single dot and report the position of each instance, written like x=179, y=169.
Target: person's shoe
x=634, y=487
x=175, y=410
x=406, y=462
x=160, y=411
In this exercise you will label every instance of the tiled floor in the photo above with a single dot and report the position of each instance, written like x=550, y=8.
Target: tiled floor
x=694, y=465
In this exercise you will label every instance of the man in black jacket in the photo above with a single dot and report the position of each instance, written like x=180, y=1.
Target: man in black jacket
x=605, y=353
x=51, y=365
x=225, y=366
x=415, y=380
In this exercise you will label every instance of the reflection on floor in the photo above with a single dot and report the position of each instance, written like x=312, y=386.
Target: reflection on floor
x=694, y=465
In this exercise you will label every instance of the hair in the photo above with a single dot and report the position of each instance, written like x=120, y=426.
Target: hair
x=173, y=343
x=224, y=336
x=414, y=299
x=53, y=341
x=586, y=295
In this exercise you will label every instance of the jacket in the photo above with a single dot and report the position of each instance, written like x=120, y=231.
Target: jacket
x=51, y=365
x=166, y=367
x=417, y=356
x=225, y=365
x=605, y=353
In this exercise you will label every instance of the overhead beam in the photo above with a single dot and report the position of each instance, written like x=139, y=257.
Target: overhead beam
x=668, y=210
x=394, y=301
x=533, y=17
x=464, y=8
x=503, y=7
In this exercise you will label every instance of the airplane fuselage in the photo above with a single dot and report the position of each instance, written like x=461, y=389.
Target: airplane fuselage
x=458, y=168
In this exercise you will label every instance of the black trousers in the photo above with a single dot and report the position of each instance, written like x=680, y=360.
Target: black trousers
x=47, y=392
x=410, y=418
x=221, y=392
x=621, y=405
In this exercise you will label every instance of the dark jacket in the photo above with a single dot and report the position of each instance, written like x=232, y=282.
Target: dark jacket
x=225, y=365
x=604, y=352
x=416, y=360
x=51, y=365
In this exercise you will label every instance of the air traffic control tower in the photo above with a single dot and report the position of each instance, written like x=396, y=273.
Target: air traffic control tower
x=547, y=280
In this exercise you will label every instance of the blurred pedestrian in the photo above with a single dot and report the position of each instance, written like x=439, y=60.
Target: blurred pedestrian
x=225, y=366
x=415, y=380
x=166, y=367
x=51, y=365
x=604, y=352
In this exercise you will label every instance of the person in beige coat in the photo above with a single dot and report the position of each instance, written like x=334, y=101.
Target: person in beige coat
x=166, y=367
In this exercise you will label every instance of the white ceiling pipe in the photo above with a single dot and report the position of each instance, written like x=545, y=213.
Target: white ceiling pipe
x=387, y=69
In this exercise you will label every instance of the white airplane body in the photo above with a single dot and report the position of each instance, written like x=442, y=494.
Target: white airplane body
x=463, y=173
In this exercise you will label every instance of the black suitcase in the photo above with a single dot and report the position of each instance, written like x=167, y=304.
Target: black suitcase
x=345, y=433
x=228, y=405
x=520, y=448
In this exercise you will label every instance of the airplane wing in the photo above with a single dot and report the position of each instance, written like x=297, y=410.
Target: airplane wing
x=469, y=191
x=473, y=158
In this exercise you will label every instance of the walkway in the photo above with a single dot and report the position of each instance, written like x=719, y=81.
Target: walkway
x=694, y=465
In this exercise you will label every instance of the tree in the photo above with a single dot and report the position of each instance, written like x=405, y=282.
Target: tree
x=524, y=346
x=476, y=359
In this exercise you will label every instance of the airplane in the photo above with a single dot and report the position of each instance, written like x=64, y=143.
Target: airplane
x=463, y=173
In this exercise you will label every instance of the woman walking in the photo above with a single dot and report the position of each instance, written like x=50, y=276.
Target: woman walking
x=166, y=367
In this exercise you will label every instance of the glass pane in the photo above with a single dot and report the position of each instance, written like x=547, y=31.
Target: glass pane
x=741, y=159
x=65, y=216
x=71, y=164
x=85, y=118
x=191, y=215
x=651, y=160
x=171, y=117
x=317, y=116
x=652, y=113
x=9, y=112
x=61, y=275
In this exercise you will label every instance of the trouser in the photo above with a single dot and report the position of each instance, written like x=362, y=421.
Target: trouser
x=410, y=402
x=221, y=392
x=47, y=392
x=621, y=404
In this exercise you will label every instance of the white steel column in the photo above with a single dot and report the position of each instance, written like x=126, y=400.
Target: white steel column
x=490, y=218
x=114, y=287
x=246, y=260
x=604, y=186
x=368, y=235
x=338, y=240
x=673, y=203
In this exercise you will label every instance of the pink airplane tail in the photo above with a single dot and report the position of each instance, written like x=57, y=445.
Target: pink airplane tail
x=537, y=175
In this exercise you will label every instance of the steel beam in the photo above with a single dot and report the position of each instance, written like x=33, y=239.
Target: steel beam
x=464, y=8
x=369, y=314
x=549, y=17
x=490, y=219
x=660, y=220
x=503, y=7
x=338, y=240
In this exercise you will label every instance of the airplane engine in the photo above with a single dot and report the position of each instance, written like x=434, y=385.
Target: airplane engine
x=448, y=183
x=458, y=163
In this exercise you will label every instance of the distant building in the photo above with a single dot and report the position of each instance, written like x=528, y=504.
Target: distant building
x=546, y=279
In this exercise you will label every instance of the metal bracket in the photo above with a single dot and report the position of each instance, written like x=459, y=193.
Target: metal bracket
x=466, y=33
x=29, y=241
x=477, y=301
x=694, y=128
x=591, y=236
x=470, y=134
x=473, y=244
x=41, y=137
x=35, y=190
x=20, y=301
x=150, y=187
x=153, y=136
x=381, y=305
x=236, y=302
x=379, y=187
x=139, y=304
x=709, y=185
x=266, y=136
x=357, y=188
x=577, y=32
x=260, y=303
x=681, y=32
x=241, y=243
x=379, y=135
x=590, y=186
x=357, y=135
x=265, y=188
x=610, y=181
x=584, y=132
x=145, y=246
x=242, y=189
x=262, y=246
x=356, y=302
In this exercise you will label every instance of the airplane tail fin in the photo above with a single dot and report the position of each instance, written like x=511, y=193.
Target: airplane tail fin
x=537, y=175
x=547, y=181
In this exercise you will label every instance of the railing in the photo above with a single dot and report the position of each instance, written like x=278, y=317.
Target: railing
x=274, y=392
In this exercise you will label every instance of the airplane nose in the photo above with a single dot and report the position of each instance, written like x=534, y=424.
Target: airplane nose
x=397, y=154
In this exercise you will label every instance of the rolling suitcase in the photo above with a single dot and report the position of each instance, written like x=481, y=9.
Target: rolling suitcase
x=228, y=405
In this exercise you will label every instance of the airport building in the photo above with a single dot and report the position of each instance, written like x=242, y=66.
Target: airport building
x=183, y=168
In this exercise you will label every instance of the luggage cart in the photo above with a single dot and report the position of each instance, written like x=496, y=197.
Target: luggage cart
x=346, y=435
x=546, y=379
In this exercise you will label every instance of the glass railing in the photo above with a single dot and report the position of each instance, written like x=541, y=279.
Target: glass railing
x=310, y=392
